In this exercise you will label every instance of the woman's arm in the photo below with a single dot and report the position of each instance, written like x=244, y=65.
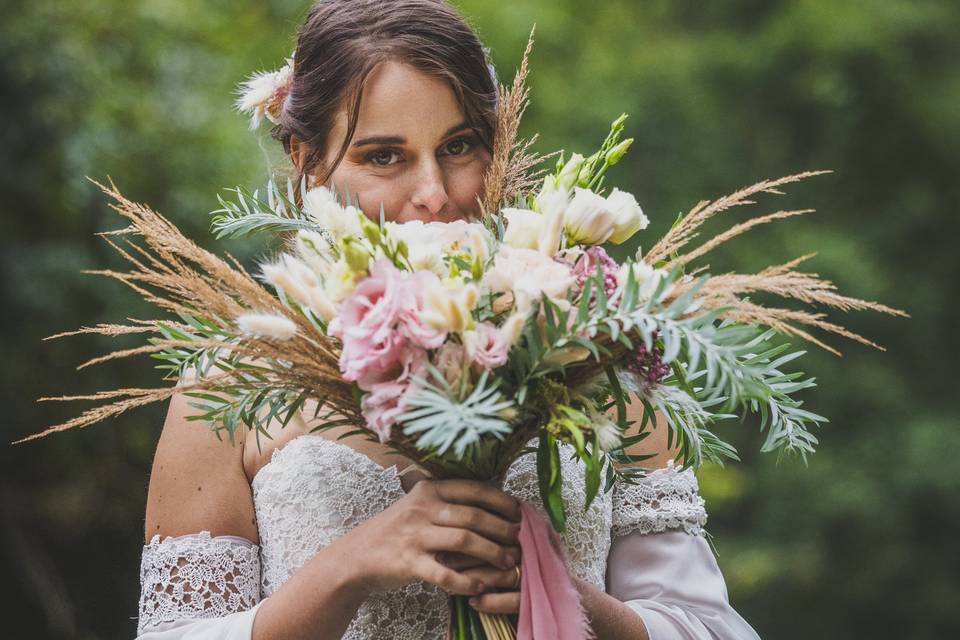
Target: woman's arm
x=198, y=484
x=660, y=567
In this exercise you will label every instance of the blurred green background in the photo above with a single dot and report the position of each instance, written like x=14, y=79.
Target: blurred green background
x=859, y=544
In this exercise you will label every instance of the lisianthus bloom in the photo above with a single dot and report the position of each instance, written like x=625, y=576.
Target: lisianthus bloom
x=524, y=228
x=629, y=217
x=367, y=322
x=427, y=243
x=529, y=272
x=589, y=219
x=486, y=346
x=416, y=320
x=383, y=405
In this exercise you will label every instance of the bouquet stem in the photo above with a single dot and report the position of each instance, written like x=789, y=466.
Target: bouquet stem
x=466, y=623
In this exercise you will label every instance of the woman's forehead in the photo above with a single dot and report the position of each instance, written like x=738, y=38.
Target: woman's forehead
x=401, y=101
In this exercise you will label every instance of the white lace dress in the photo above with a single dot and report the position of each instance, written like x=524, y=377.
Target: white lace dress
x=644, y=544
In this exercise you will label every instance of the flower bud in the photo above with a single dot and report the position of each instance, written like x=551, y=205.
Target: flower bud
x=616, y=152
x=570, y=173
x=629, y=217
x=356, y=257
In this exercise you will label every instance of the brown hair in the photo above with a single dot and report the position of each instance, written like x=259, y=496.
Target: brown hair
x=340, y=43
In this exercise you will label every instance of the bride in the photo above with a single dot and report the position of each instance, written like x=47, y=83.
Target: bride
x=302, y=536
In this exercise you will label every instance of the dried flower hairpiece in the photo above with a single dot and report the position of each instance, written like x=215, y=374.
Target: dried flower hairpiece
x=263, y=94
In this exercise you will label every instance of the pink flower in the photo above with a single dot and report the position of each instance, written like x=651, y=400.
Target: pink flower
x=586, y=266
x=487, y=346
x=383, y=404
x=414, y=327
x=367, y=323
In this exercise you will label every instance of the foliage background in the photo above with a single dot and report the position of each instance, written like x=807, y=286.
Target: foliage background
x=860, y=544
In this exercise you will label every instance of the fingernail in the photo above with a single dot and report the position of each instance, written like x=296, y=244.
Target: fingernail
x=509, y=559
x=474, y=601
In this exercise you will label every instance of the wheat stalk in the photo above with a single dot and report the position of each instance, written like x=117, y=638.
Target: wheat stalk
x=510, y=171
x=686, y=229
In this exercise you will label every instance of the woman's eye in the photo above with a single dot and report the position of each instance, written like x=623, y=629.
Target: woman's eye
x=382, y=157
x=460, y=146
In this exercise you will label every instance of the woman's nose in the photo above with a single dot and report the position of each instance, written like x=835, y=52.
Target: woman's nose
x=430, y=194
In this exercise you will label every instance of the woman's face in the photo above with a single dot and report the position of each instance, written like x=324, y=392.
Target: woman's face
x=412, y=150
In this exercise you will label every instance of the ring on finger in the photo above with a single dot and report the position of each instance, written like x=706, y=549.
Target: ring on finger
x=516, y=568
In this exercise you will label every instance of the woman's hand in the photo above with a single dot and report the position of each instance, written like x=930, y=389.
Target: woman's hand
x=506, y=600
x=433, y=533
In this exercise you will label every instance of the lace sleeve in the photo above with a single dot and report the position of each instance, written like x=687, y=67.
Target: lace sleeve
x=198, y=577
x=665, y=499
x=661, y=566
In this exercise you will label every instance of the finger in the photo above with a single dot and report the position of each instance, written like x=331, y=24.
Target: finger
x=459, y=561
x=505, y=603
x=479, y=521
x=493, y=577
x=446, y=578
x=469, y=543
x=479, y=494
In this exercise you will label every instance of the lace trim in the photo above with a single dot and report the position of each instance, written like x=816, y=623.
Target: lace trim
x=664, y=499
x=197, y=576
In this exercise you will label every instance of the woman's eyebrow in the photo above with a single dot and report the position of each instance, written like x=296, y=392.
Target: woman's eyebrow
x=401, y=140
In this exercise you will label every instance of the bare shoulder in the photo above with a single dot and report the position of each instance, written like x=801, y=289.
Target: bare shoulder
x=198, y=482
x=656, y=443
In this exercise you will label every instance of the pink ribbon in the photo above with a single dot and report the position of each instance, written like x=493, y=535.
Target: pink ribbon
x=550, y=606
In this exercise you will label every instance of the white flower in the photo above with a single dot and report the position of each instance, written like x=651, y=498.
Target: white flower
x=428, y=243
x=267, y=325
x=628, y=214
x=321, y=206
x=524, y=228
x=647, y=279
x=589, y=219
x=301, y=283
x=570, y=173
x=340, y=281
x=553, y=207
x=608, y=433
x=263, y=93
x=459, y=236
x=315, y=250
x=528, y=273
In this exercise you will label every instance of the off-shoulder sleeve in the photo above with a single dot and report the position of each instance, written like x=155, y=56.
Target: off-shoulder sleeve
x=198, y=586
x=660, y=564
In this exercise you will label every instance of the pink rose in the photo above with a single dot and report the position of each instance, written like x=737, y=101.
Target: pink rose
x=487, y=346
x=367, y=323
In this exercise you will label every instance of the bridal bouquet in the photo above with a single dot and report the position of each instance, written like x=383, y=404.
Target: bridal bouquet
x=464, y=345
